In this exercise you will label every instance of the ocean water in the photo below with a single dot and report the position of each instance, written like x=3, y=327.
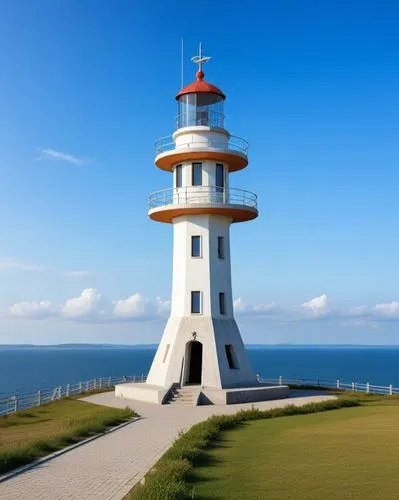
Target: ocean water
x=29, y=369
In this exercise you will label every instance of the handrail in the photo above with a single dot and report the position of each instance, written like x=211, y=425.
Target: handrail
x=203, y=195
x=234, y=143
x=334, y=384
x=25, y=401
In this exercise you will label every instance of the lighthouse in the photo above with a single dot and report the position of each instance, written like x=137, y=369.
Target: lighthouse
x=201, y=346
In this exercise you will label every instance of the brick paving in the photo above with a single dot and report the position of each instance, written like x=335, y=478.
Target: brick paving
x=108, y=467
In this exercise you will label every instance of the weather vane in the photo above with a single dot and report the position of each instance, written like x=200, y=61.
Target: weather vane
x=200, y=59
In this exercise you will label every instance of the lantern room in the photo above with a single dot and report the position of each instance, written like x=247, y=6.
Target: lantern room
x=200, y=104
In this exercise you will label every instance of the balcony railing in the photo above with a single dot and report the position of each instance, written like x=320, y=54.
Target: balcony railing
x=235, y=144
x=203, y=195
x=207, y=118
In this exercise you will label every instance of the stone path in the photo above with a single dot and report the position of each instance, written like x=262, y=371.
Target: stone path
x=108, y=467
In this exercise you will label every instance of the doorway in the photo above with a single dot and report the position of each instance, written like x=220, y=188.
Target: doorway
x=194, y=358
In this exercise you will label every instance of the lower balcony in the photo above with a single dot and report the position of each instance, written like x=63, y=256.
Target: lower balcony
x=167, y=204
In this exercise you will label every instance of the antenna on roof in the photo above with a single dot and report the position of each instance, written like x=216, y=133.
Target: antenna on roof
x=182, y=62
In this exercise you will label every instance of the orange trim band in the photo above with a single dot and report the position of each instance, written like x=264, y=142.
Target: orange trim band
x=166, y=161
x=168, y=214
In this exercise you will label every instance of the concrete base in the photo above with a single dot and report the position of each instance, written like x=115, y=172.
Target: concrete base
x=159, y=395
x=243, y=394
x=143, y=392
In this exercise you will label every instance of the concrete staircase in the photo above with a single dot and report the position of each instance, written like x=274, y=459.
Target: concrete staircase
x=184, y=396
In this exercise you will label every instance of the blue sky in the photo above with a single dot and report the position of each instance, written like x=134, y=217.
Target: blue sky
x=87, y=87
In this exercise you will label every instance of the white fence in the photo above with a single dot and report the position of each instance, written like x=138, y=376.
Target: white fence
x=18, y=402
x=334, y=384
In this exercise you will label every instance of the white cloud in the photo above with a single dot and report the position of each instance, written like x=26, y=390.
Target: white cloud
x=33, y=310
x=242, y=308
x=135, y=306
x=51, y=154
x=89, y=305
x=239, y=305
x=389, y=309
x=318, y=306
x=86, y=304
x=162, y=306
x=17, y=265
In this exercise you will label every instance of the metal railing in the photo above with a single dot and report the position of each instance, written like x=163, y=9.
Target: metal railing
x=25, y=401
x=203, y=195
x=333, y=384
x=205, y=117
x=234, y=144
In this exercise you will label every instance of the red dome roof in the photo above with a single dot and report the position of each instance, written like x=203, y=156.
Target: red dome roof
x=200, y=86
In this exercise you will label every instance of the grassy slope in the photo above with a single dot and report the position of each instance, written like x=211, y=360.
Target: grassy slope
x=341, y=454
x=27, y=435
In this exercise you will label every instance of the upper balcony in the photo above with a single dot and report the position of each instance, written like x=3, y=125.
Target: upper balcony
x=167, y=204
x=204, y=144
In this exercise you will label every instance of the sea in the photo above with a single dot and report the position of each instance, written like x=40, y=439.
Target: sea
x=28, y=369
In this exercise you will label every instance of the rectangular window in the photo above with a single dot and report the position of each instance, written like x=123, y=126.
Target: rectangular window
x=220, y=247
x=166, y=353
x=219, y=178
x=195, y=246
x=230, y=357
x=178, y=179
x=195, y=302
x=196, y=174
x=222, y=303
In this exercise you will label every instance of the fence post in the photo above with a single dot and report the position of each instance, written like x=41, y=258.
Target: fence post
x=142, y=377
x=367, y=387
x=15, y=403
x=134, y=378
x=353, y=386
x=123, y=378
x=109, y=381
x=337, y=383
x=94, y=383
x=80, y=387
x=101, y=383
x=280, y=380
x=39, y=398
x=390, y=389
x=59, y=392
x=68, y=389
x=318, y=383
x=87, y=386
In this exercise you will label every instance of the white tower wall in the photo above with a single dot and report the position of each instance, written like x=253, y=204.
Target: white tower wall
x=210, y=275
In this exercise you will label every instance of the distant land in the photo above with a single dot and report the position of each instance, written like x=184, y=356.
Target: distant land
x=154, y=346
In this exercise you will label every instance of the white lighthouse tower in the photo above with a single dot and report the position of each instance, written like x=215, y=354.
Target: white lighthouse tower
x=201, y=346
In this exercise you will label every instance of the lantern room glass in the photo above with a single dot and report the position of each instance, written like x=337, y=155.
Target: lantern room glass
x=202, y=108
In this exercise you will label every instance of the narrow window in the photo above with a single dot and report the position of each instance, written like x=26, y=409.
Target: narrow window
x=222, y=303
x=230, y=357
x=166, y=353
x=195, y=302
x=178, y=178
x=219, y=178
x=196, y=175
x=220, y=247
x=195, y=246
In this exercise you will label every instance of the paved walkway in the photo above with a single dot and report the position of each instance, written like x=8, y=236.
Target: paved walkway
x=108, y=467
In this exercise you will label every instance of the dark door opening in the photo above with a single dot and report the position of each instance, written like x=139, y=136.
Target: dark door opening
x=195, y=363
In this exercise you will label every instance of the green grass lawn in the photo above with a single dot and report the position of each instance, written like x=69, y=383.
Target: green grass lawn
x=351, y=453
x=30, y=434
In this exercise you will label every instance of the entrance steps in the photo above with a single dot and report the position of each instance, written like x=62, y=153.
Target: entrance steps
x=186, y=395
